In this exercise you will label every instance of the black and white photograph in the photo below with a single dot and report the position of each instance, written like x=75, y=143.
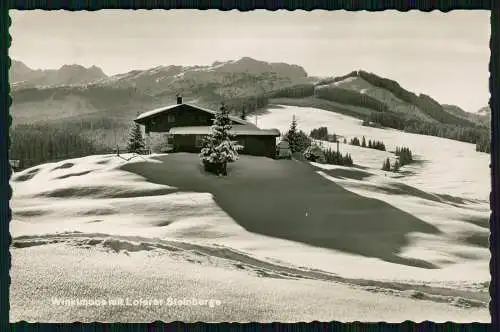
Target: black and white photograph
x=260, y=166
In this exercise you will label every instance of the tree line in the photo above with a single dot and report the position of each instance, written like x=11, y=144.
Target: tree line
x=243, y=106
x=34, y=144
x=336, y=158
x=377, y=145
x=478, y=135
x=349, y=97
x=294, y=91
x=301, y=143
x=40, y=143
x=322, y=134
x=483, y=144
x=405, y=157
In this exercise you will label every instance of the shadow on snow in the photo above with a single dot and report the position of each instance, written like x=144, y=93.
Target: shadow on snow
x=288, y=200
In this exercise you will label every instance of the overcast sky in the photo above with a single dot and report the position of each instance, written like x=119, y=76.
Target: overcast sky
x=444, y=55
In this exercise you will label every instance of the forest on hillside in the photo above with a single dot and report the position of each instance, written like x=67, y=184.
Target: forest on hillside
x=479, y=135
x=34, y=144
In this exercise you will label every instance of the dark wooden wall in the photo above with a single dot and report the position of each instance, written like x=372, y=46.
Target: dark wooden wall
x=183, y=116
x=184, y=143
x=258, y=145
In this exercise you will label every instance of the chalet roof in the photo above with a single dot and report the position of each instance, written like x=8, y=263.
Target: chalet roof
x=158, y=111
x=236, y=130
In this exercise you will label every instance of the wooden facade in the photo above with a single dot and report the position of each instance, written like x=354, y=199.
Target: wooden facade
x=254, y=145
x=180, y=116
x=194, y=122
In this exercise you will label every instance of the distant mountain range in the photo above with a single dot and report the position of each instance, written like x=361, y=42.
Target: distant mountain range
x=22, y=75
x=484, y=111
x=74, y=91
x=482, y=116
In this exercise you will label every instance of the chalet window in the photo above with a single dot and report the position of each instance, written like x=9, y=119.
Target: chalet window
x=170, y=118
x=198, y=141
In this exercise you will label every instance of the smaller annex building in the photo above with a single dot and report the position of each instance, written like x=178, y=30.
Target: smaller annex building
x=187, y=125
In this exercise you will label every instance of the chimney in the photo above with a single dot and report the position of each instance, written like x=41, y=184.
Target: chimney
x=179, y=99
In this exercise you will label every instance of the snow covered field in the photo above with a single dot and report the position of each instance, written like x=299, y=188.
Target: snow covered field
x=94, y=227
x=450, y=167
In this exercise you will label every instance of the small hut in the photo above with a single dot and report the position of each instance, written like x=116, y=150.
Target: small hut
x=283, y=150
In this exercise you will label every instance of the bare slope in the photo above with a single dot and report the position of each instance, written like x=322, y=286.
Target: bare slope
x=393, y=96
x=394, y=104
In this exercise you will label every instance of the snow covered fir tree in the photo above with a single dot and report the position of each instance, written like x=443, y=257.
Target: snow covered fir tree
x=135, y=140
x=291, y=135
x=299, y=141
x=218, y=146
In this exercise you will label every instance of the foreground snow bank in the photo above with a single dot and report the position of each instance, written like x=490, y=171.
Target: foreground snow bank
x=43, y=275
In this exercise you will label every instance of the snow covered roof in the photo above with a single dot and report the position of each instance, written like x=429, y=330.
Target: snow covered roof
x=283, y=145
x=236, y=130
x=157, y=111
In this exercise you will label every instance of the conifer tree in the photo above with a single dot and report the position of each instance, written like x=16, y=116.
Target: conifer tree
x=218, y=147
x=348, y=160
x=396, y=166
x=387, y=165
x=405, y=155
x=135, y=141
x=292, y=136
x=363, y=142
